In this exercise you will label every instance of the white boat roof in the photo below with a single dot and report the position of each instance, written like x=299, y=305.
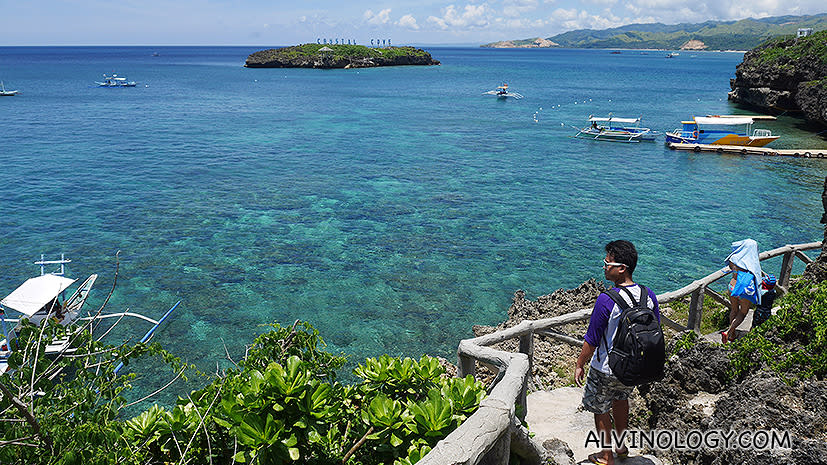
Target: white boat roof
x=613, y=119
x=727, y=121
x=754, y=117
x=33, y=294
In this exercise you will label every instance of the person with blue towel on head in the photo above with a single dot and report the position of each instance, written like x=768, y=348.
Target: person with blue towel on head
x=745, y=284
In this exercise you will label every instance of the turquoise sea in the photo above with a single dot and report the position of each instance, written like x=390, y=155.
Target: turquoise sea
x=393, y=208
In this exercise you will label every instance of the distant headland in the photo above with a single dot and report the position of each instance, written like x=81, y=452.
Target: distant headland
x=331, y=56
x=710, y=35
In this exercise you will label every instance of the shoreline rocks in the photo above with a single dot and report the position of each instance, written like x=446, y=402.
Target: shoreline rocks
x=785, y=75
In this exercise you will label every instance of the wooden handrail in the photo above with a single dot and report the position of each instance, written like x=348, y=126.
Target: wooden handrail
x=493, y=429
x=712, y=277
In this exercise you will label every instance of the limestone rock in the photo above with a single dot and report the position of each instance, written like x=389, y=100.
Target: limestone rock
x=559, y=452
x=693, y=45
x=786, y=75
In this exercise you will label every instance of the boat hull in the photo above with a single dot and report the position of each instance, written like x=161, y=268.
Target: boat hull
x=727, y=139
x=618, y=135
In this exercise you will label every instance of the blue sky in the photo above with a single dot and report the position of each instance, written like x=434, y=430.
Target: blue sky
x=260, y=22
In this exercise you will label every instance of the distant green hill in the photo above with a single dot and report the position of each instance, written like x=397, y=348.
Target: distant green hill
x=715, y=35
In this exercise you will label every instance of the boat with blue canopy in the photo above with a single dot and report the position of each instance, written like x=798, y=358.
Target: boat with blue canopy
x=721, y=130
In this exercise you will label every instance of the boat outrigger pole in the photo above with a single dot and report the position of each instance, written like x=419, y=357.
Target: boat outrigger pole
x=149, y=333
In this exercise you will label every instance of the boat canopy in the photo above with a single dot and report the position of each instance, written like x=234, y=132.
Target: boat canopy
x=35, y=293
x=612, y=119
x=728, y=121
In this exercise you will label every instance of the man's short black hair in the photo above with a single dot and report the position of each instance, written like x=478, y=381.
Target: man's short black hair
x=623, y=252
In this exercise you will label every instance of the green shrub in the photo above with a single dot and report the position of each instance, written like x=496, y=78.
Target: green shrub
x=792, y=343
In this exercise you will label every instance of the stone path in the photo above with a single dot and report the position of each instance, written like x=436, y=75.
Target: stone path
x=555, y=414
x=742, y=329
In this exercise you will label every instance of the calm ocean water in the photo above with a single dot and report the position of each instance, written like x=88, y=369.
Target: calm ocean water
x=393, y=208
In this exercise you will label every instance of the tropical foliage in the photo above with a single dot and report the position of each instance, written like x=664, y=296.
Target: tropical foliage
x=792, y=343
x=280, y=405
x=346, y=51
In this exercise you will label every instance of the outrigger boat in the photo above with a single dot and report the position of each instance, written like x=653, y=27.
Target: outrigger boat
x=502, y=92
x=42, y=298
x=698, y=131
x=7, y=93
x=616, y=129
x=115, y=81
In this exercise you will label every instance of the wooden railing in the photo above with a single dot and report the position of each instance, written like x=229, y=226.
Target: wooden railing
x=699, y=288
x=495, y=430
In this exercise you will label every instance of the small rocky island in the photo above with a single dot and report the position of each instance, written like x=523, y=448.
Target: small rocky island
x=338, y=56
x=785, y=74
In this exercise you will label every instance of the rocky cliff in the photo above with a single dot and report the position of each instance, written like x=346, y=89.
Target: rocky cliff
x=785, y=75
x=338, y=56
x=539, y=42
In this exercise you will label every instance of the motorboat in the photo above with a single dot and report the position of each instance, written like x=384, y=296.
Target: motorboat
x=113, y=80
x=616, y=129
x=721, y=130
x=502, y=92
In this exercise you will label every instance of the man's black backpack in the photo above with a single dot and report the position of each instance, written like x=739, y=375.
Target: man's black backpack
x=638, y=352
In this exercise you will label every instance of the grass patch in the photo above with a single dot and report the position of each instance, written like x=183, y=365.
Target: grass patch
x=715, y=317
x=813, y=47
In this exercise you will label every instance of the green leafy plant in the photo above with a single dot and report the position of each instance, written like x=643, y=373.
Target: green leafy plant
x=281, y=405
x=792, y=343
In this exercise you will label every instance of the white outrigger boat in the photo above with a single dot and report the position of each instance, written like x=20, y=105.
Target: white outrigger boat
x=42, y=298
x=616, y=129
x=115, y=81
x=501, y=92
x=7, y=93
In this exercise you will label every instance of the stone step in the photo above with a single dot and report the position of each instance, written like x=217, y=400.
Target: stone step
x=557, y=414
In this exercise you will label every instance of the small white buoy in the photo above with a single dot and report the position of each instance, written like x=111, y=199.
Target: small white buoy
x=561, y=124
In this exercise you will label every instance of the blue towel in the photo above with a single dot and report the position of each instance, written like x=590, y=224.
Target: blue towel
x=744, y=255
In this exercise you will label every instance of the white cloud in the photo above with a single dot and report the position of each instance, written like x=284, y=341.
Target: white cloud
x=514, y=8
x=381, y=17
x=472, y=16
x=581, y=19
x=520, y=23
x=408, y=21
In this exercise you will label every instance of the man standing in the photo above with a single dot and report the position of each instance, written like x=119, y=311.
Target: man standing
x=605, y=395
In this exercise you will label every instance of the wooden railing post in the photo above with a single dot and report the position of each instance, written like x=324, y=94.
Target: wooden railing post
x=467, y=366
x=786, y=270
x=526, y=347
x=696, y=305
